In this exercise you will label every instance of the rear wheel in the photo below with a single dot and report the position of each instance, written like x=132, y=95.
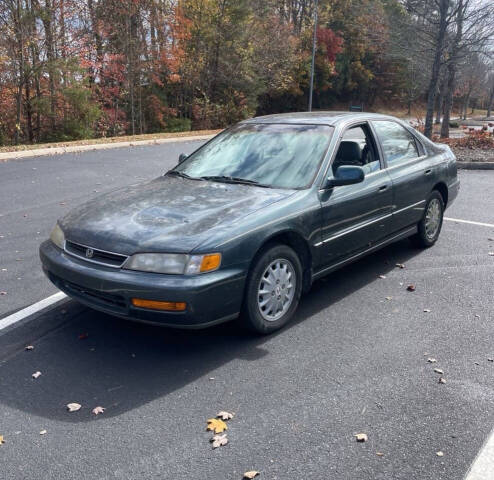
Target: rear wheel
x=429, y=227
x=273, y=289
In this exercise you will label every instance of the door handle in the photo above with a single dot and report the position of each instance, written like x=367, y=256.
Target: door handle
x=428, y=172
x=382, y=188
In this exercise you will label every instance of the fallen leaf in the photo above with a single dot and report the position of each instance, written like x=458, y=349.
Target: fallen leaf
x=216, y=425
x=225, y=415
x=442, y=380
x=219, y=440
x=411, y=288
x=73, y=407
x=477, y=315
x=431, y=360
x=36, y=374
x=98, y=410
x=361, y=437
x=438, y=370
x=476, y=363
x=388, y=298
x=380, y=454
x=1, y=440
x=3, y=293
x=43, y=432
x=251, y=474
x=490, y=359
x=400, y=265
x=29, y=347
x=426, y=310
x=440, y=454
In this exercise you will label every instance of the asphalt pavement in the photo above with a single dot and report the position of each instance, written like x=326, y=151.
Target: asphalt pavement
x=353, y=361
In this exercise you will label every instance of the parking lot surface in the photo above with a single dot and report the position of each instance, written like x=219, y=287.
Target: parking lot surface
x=355, y=360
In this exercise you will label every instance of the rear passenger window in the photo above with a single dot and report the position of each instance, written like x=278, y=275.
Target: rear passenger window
x=397, y=142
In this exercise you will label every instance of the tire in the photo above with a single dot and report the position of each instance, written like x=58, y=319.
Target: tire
x=273, y=270
x=430, y=226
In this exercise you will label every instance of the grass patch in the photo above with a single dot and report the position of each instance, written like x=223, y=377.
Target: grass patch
x=96, y=141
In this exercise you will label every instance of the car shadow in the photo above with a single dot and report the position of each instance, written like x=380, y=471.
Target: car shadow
x=95, y=359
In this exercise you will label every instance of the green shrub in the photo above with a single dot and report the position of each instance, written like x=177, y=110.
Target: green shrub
x=178, y=125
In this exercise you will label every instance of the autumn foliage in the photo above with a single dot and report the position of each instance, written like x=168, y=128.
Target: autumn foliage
x=73, y=69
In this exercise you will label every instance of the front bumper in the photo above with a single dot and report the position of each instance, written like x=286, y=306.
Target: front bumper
x=211, y=298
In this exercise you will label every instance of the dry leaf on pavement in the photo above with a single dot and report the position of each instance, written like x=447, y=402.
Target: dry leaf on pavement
x=225, y=415
x=73, y=407
x=361, y=437
x=426, y=310
x=380, y=454
x=216, y=425
x=411, y=288
x=43, y=432
x=1, y=440
x=251, y=474
x=98, y=410
x=439, y=454
x=431, y=360
x=29, y=347
x=36, y=374
x=442, y=380
x=219, y=440
x=438, y=370
x=400, y=265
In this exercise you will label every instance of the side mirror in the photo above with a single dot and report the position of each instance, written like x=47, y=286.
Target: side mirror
x=182, y=157
x=346, y=175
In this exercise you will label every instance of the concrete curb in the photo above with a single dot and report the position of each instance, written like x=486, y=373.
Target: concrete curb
x=38, y=152
x=475, y=165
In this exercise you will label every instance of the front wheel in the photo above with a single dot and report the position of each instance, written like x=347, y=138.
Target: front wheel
x=429, y=227
x=273, y=289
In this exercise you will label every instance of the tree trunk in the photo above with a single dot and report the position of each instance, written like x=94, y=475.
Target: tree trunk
x=453, y=60
x=490, y=104
x=439, y=47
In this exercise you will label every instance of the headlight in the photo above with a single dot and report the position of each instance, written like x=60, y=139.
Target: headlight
x=57, y=237
x=173, y=263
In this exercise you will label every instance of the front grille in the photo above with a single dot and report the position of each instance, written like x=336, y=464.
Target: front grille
x=98, y=256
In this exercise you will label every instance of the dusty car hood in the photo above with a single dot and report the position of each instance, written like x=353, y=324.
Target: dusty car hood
x=168, y=214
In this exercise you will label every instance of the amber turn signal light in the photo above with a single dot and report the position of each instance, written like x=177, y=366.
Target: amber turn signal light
x=157, y=305
x=210, y=262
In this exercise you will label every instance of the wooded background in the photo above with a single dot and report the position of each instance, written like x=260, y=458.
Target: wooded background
x=74, y=69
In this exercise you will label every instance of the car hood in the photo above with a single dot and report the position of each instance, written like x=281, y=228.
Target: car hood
x=168, y=214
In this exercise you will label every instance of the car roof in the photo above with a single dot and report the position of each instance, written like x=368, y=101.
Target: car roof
x=320, y=117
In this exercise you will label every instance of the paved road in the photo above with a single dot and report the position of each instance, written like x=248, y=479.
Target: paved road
x=351, y=362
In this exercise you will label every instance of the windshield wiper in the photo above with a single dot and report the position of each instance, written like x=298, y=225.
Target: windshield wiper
x=228, y=179
x=182, y=174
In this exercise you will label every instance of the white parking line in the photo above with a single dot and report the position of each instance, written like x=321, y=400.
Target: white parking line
x=34, y=308
x=482, y=467
x=470, y=222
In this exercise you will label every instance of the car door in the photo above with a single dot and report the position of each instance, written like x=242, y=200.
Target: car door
x=410, y=171
x=354, y=217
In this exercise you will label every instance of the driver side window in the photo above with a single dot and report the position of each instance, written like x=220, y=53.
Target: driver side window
x=357, y=148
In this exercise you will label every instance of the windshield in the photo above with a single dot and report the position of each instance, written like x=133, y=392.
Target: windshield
x=278, y=155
